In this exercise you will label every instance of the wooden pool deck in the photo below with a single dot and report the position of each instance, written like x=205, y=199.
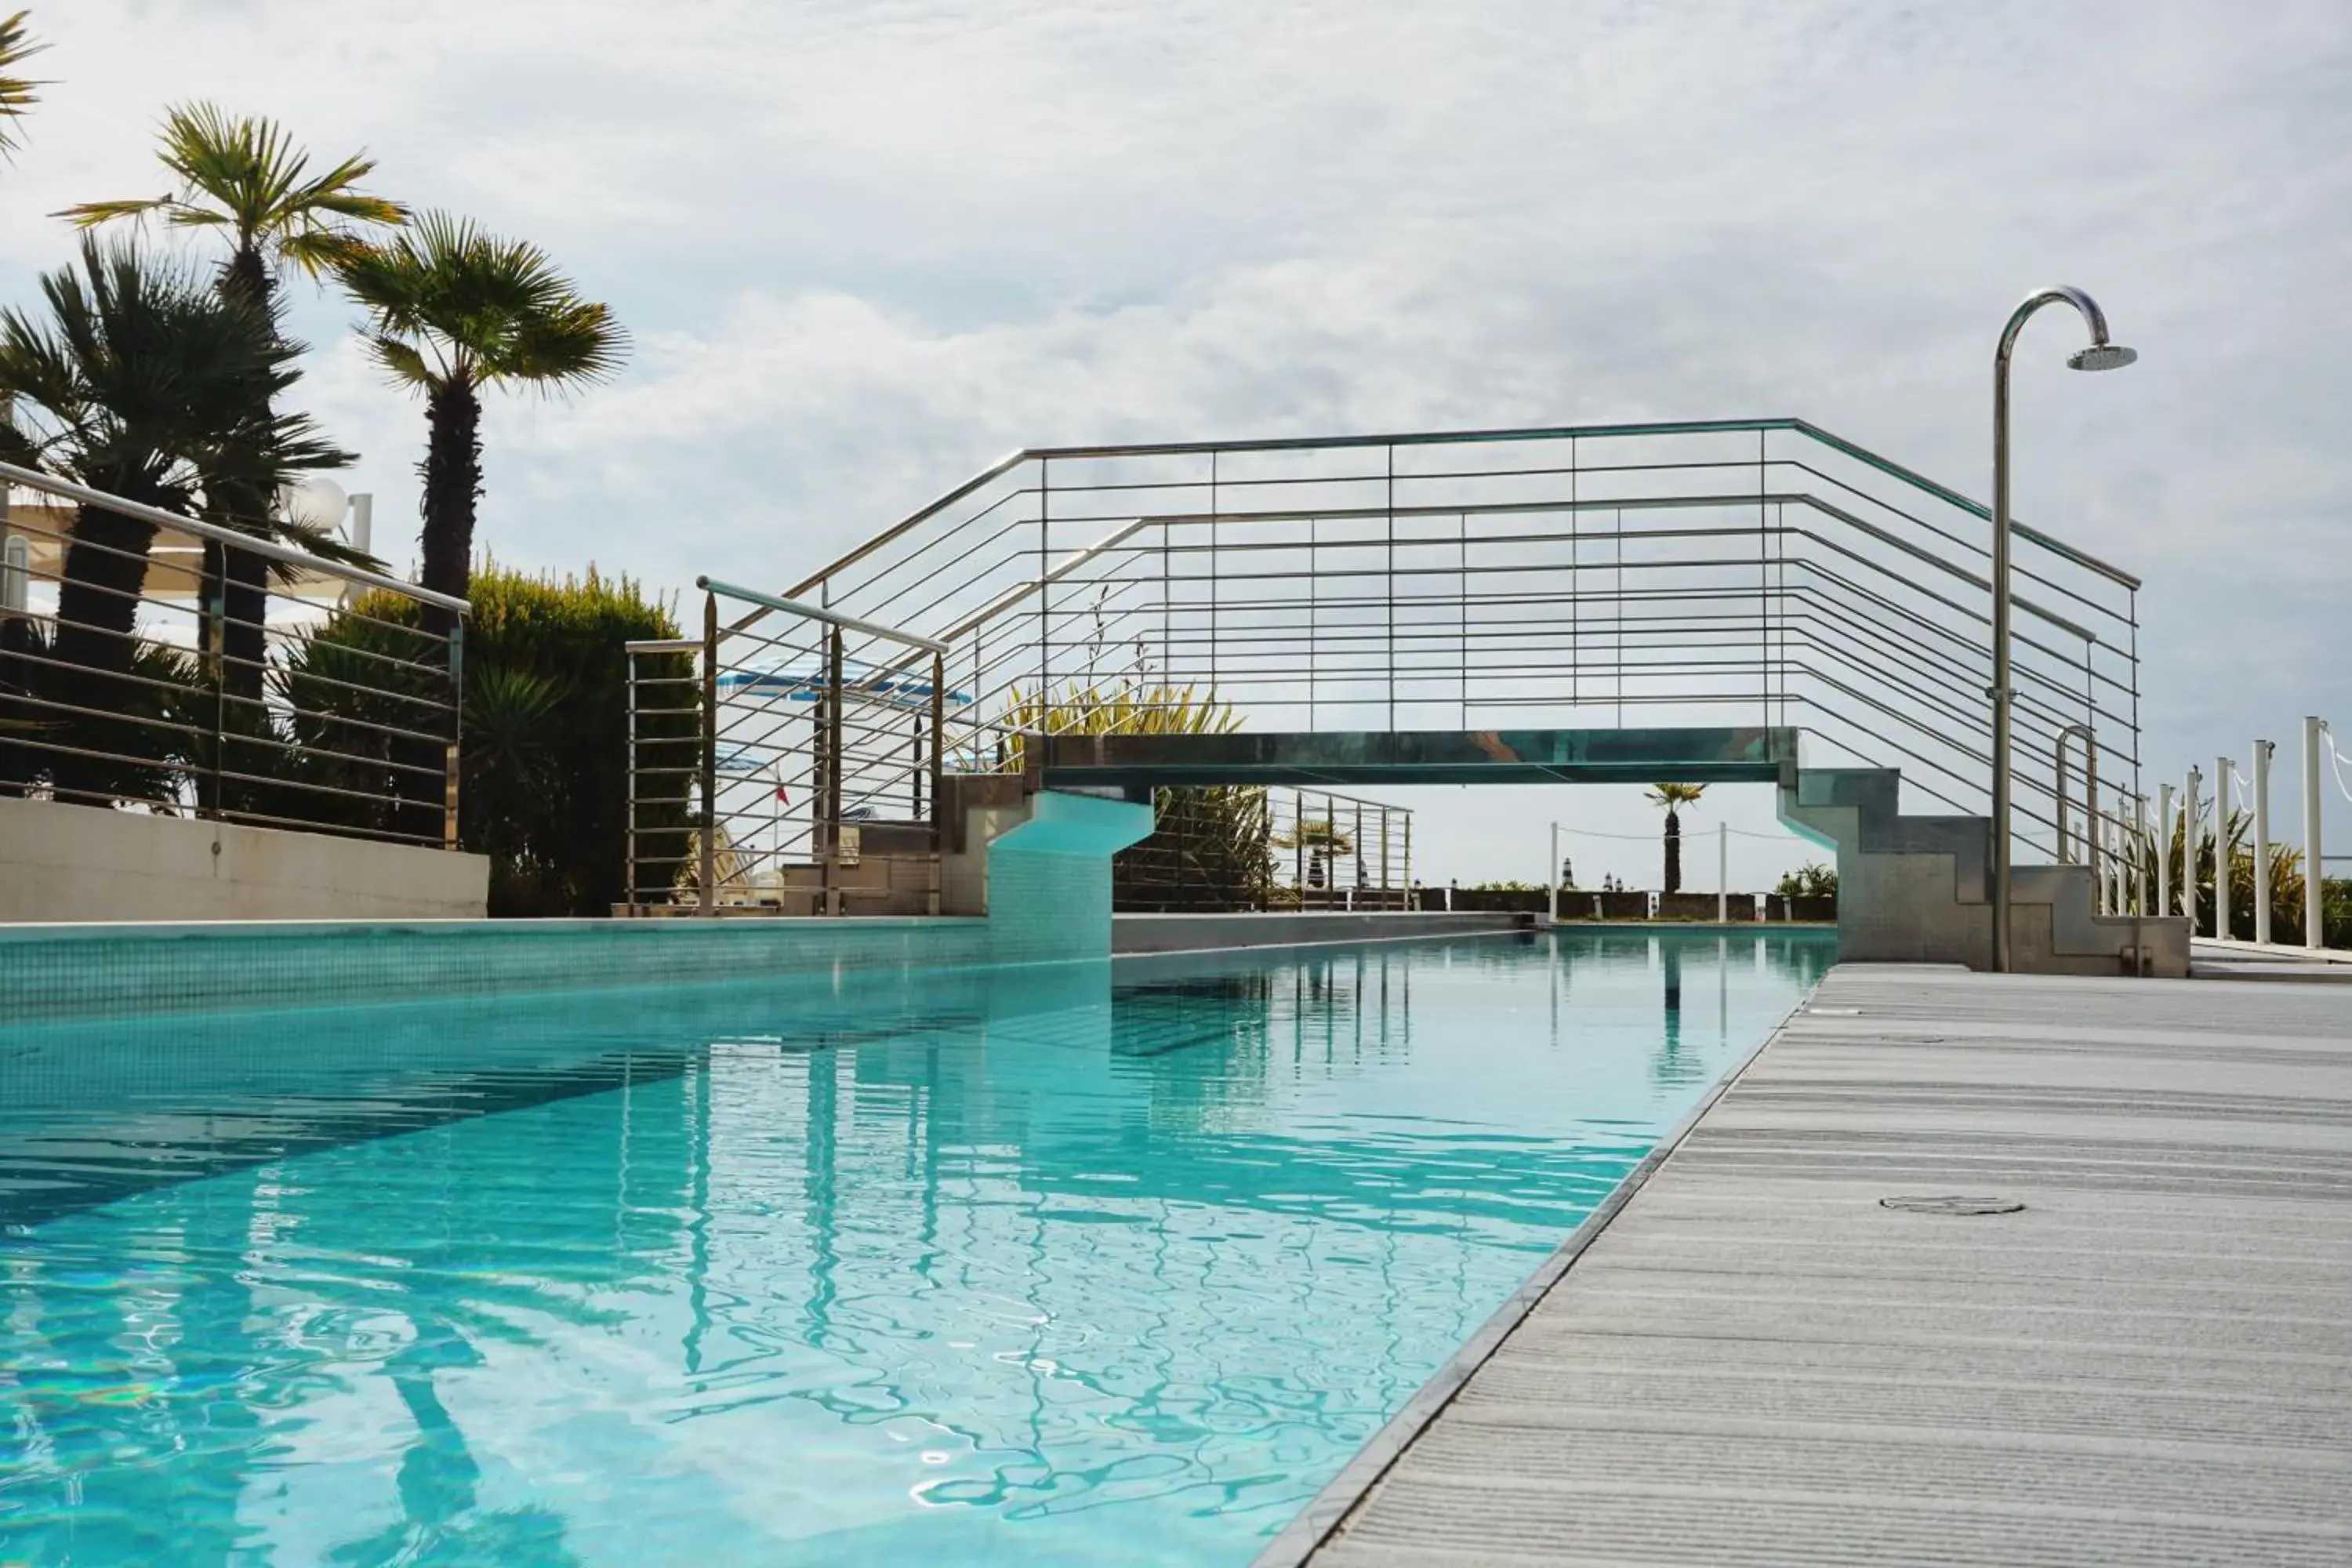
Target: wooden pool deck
x=1757, y=1360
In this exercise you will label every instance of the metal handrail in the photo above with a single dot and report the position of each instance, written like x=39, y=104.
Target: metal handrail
x=267, y=549
x=1011, y=460
x=816, y=613
x=227, y=732
x=1839, y=592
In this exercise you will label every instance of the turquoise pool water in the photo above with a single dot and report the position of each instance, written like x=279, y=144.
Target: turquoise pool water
x=1076, y=1264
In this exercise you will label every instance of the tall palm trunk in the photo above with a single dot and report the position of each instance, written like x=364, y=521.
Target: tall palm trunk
x=452, y=472
x=98, y=616
x=1674, y=852
x=453, y=485
x=238, y=580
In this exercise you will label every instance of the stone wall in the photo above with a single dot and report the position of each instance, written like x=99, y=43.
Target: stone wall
x=60, y=862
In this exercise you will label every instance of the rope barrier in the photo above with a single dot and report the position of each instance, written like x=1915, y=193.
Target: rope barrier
x=1653, y=837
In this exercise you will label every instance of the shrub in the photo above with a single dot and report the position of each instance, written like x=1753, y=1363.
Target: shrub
x=543, y=788
x=1811, y=880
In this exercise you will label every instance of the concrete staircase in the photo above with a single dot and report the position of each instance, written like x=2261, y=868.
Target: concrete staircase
x=1917, y=889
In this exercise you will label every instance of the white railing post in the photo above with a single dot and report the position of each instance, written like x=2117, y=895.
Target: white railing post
x=2262, y=749
x=2139, y=888
x=2192, y=809
x=2222, y=770
x=2315, y=865
x=2164, y=849
x=1552, y=874
x=1722, y=873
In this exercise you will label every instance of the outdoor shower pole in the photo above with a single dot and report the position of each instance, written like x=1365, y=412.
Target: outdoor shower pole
x=2314, y=865
x=1722, y=873
x=2262, y=749
x=2100, y=355
x=833, y=741
x=706, y=872
x=938, y=780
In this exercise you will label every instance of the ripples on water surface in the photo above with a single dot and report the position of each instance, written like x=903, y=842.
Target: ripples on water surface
x=1068, y=1263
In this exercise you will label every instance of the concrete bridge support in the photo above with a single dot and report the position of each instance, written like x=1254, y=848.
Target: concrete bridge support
x=1917, y=890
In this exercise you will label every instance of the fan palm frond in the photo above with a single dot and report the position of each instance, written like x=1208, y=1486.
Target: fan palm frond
x=16, y=93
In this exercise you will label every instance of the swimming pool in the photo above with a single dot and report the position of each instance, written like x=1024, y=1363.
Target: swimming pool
x=1056, y=1264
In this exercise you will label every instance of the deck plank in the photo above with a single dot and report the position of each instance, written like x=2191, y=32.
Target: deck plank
x=1756, y=1361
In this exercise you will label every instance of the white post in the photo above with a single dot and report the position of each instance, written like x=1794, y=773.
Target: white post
x=2314, y=865
x=1722, y=873
x=2139, y=863
x=2222, y=770
x=2164, y=849
x=1551, y=875
x=2190, y=813
x=2262, y=749
x=360, y=533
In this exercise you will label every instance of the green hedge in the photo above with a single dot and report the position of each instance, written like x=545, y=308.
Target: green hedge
x=543, y=789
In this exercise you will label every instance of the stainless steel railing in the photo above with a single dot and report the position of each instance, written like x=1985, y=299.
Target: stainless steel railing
x=1753, y=571
x=785, y=765
x=141, y=667
x=1218, y=848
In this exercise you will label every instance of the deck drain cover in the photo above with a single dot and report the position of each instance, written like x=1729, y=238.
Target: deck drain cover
x=1952, y=1205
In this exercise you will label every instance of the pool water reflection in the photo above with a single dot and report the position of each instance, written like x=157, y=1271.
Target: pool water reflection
x=1063, y=1264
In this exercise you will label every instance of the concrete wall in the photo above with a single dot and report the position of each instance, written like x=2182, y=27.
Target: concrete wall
x=122, y=970
x=1195, y=934
x=1051, y=886
x=61, y=862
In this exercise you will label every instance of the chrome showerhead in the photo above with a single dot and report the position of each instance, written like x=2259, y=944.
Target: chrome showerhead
x=2102, y=356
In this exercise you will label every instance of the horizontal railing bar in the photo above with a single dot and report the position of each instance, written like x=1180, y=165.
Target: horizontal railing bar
x=818, y=613
x=1424, y=438
x=385, y=834
x=1019, y=591
x=31, y=479
x=201, y=732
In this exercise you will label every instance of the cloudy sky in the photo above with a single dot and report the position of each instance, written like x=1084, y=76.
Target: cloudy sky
x=865, y=248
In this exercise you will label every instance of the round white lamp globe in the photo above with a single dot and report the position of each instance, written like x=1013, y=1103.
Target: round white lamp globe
x=314, y=503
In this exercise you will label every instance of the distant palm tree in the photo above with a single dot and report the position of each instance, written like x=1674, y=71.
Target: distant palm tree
x=1674, y=796
x=140, y=379
x=452, y=310
x=17, y=94
x=1325, y=842
x=244, y=177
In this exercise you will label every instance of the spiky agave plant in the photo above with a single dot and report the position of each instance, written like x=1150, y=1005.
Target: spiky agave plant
x=1215, y=837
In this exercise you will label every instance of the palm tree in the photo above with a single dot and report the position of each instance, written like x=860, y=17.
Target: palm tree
x=451, y=311
x=1326, y=844
x=246, y=178
x=245, y=174
x=17, y=94
x=141, y=380
x=1673, y=797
